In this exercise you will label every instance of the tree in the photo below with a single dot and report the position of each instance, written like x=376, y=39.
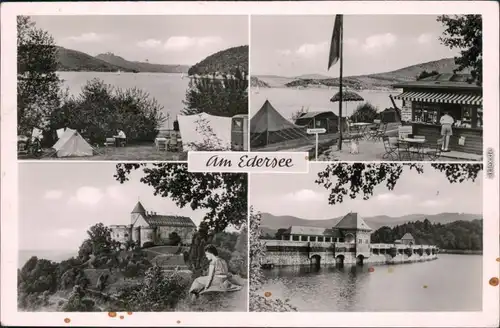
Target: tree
x=101, y=109
x=226, y=96
x=280, y=233
x=38, y=85
x=425, y=74
x=365, y=112
x=224, y=195
x=257, y=301
x=99, y=242
x=351, y=180
x=466, y=33
x=174, y=239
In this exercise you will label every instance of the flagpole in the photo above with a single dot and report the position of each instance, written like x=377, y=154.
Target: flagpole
x=340, y=82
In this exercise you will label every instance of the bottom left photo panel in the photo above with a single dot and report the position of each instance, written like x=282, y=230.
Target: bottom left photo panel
x=107, y=237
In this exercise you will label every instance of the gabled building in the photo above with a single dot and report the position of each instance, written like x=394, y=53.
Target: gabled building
x=151, y=227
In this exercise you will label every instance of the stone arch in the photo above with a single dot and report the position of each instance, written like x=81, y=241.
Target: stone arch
x=360, y=259
x=339, y=260
x=427, y=251
x=350, y=238
x=315, y=260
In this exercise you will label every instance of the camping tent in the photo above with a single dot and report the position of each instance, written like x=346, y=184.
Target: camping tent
x=204, y=128
x=268, y=126
x=72, y=144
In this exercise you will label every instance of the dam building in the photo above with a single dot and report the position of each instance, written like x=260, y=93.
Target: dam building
x=346, y=243
x=149, y=227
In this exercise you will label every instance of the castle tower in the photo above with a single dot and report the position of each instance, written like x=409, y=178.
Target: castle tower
x=137, y=220
x=356, y=231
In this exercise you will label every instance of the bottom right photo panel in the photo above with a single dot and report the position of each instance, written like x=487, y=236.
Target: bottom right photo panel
x=367, y=237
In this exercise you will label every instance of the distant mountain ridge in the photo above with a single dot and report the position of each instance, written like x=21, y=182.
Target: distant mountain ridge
x=140, y=66
x=223, y=62
x=366, y=81
x=73, y=60
x=271, y=223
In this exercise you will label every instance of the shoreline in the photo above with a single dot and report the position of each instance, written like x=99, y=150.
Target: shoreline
x=460, y=252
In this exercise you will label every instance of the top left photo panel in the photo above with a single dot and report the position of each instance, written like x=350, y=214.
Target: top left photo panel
x=115, y=88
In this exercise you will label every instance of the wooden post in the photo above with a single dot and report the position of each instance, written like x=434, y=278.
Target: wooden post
x=340, y=86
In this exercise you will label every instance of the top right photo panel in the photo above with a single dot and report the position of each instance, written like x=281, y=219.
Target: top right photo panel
x=368, y=87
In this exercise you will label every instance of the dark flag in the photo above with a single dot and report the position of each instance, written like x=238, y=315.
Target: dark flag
x=336, y=41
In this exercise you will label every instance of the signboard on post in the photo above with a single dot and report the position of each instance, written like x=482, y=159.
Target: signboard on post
x=316, y=132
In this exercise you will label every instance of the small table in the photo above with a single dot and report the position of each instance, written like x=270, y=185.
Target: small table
x=417, y=144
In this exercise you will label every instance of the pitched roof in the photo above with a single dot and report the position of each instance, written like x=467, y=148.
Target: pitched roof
x=310, y=231
x=169, y=220
x=138, y=208
x=314, y=114
x=269, y=119
x=407, y=236
x=352, y=221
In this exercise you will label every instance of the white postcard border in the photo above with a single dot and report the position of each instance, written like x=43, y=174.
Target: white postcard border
x=9, y=189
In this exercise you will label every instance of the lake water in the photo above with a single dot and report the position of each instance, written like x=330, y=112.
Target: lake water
x=453, y=283
x=168, y=89
x=288, y=101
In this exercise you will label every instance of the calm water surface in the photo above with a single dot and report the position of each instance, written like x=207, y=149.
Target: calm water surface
x=168, y=89
x=454, y=283
x=287, y=101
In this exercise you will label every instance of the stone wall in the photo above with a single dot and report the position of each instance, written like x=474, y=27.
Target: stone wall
x=121, y=233
x=186, y=234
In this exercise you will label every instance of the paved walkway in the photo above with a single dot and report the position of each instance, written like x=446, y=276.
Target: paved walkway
x=374, y=151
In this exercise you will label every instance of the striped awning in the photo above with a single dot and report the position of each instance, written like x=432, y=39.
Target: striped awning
x=441, y=97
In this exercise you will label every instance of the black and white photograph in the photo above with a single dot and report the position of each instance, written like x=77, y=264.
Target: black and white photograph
x=100, y=237
x=366, y=237
x=368, y=87
x=131, y=87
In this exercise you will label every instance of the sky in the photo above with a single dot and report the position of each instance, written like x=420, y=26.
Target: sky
x=183, y=40
x=428, y=193
x=59, y=202
x=296, y=45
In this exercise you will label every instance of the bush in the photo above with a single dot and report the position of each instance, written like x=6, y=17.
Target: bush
x=148, y=244
x=238, y=264
x=101, y=109
x=365, y=112
x=158, y=292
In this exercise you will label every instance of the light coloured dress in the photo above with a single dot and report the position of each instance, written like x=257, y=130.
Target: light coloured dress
x=221, y=281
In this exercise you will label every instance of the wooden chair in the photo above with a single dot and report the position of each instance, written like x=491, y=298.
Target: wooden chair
x=161, y=144
x=109, y=142
x=434, y=153
x=404, y=153
x=391, y=148
x=379, y=132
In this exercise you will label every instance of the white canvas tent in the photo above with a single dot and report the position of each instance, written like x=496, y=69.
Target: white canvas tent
x=192, y=131
x=72, y=144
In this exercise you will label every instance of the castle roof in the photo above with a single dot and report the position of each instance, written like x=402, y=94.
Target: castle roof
x=407, y=236
x=310, y=231
x=138, y=208
x=352, y=221
x=169, y=220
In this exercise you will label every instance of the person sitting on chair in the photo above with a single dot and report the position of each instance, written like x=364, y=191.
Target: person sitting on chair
x=218, y=278
x=120, y=138
x=446, y=131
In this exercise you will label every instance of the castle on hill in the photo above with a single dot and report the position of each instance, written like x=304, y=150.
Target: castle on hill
x=149, y=227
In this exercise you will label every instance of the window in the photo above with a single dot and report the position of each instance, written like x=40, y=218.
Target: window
x=360, y=241
x=327, y=239
x=312, y=238
x=295, y=238
x=426, y=112
x=320, y=238
x=303, y=238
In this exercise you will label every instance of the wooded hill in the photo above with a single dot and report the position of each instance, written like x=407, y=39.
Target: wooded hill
x=223, y=62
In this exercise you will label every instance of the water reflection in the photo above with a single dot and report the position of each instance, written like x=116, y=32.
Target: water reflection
x=454, y=284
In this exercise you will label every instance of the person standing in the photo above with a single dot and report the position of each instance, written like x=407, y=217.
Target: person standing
x=446, y=122
x=120, y=138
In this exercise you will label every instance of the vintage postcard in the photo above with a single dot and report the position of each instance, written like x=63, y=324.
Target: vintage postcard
x=250, y=164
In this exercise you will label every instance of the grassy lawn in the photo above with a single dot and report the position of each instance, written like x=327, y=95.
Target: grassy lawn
x=129, y=153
